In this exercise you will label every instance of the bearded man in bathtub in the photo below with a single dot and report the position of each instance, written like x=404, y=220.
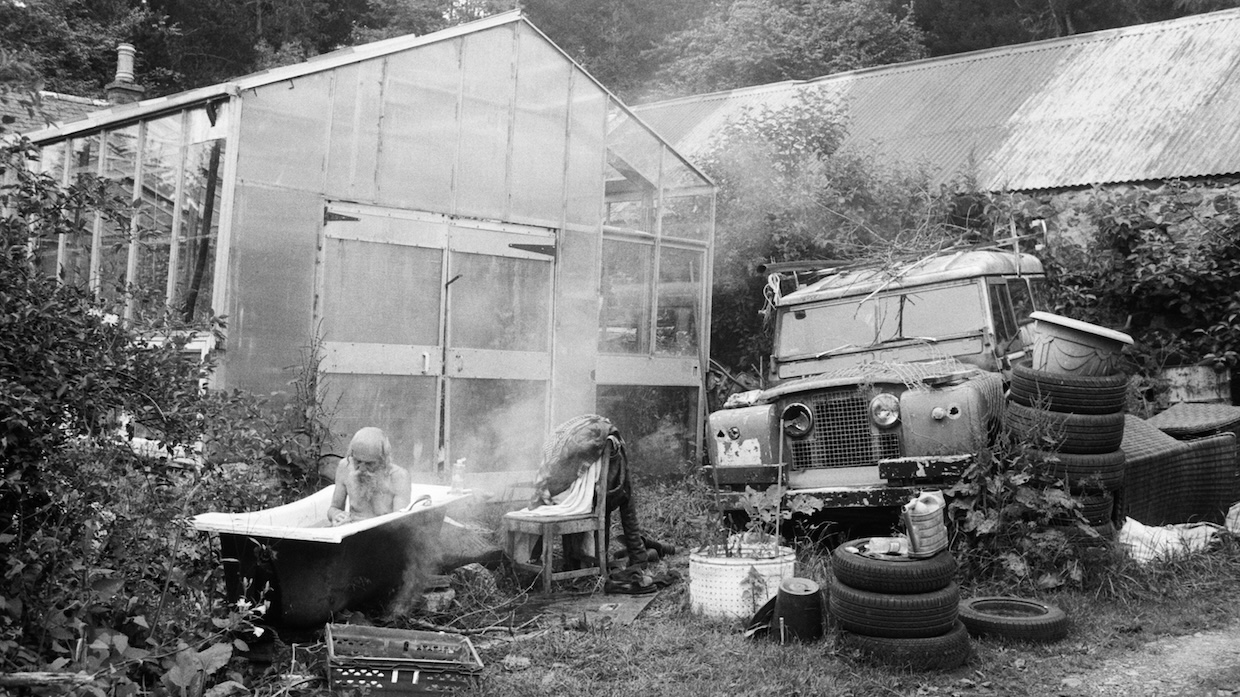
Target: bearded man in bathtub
x=367, y=480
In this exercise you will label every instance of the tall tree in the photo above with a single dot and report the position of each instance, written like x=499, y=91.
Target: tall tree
x=613, y=39
x=751, y=42
x=957, y=26
x=70, y=45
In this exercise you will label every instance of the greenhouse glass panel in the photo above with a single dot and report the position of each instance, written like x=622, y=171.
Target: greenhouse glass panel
x=200, y=220
x=626, y=281
x=284, y=128
x=539, y=132
x=404, y=404
x=486, y=109
x=633, y=152
x=120, y=166
x=45, y=245
x=632, y=214
x=678, y=310
x=658, y=425
x=161, y=150
x=353, y=146
x=497, y=425
x=381, y=293
x=420, y=110
x=688, y=203
x=83, y=167
x=586, y=149
x=499, y=303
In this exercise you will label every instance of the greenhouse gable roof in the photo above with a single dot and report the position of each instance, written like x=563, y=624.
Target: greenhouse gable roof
x=234, y=88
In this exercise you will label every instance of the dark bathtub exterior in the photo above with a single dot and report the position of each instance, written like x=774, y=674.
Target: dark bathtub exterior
x=308, y=582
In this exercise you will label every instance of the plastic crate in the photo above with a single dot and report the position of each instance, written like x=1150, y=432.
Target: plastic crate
x=399, y=661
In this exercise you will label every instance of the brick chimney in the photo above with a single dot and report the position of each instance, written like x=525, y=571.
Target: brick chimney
x=123, y=90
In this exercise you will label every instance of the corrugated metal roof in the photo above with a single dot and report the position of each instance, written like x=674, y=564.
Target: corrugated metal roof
x=1153, y=101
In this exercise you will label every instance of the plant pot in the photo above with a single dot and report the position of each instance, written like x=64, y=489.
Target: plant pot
x=1066, y=345
x=737, y=586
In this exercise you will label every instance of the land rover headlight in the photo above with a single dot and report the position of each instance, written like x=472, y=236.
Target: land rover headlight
x=798, y=420
x=885, y=409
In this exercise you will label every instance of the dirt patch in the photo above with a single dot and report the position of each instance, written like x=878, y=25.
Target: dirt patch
x=1205, y=663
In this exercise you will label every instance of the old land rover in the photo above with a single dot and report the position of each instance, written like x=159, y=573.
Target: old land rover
x=883, y=380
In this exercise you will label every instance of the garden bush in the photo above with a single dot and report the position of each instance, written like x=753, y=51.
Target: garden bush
x=102, y=576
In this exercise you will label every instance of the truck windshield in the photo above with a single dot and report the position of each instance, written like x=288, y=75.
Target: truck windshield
x=846, y=325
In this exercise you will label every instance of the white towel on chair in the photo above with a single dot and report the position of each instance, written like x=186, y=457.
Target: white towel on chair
x=576, y=500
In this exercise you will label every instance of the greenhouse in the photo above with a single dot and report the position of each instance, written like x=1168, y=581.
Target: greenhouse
x=470, y=237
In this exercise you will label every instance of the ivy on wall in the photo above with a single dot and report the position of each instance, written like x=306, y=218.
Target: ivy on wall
x=1161, y=263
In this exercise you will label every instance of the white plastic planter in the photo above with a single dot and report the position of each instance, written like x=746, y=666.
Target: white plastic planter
x=737, y=586
x=1066, y=345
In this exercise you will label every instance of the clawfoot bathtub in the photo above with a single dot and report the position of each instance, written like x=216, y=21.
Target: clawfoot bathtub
x=308, y=571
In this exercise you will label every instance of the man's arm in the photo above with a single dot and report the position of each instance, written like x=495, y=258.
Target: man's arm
x=401, y=488
x=335, y=512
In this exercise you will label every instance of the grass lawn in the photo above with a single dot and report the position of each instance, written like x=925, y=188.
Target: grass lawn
x=669, y=650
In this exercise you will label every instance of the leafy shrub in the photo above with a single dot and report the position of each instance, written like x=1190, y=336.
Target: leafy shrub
x=1161, y=269
x=788, y=193
x=101, y=573
x=67, y=367
x=104, y=576
x=1017, y=524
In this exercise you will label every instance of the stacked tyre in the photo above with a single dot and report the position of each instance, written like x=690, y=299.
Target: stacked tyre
x=897, y=609
x=1076, y=423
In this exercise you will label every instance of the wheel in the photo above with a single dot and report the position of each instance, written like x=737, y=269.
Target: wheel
x=943, y=652
x=1083, y=472
x=1067, y=433
x=857, y=568
x=894, y=615
x=1015, y=618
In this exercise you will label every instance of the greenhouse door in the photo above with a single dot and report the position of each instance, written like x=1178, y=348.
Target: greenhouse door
x=476, y=383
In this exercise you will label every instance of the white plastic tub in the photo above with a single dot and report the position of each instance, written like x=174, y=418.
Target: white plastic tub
x=1066, y=345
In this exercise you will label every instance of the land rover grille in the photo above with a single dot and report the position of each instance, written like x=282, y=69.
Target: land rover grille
x=843, y=435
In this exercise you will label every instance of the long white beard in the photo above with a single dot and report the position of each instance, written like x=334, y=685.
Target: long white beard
x=371, y=484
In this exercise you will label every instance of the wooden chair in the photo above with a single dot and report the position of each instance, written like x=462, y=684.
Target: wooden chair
x=551, y=529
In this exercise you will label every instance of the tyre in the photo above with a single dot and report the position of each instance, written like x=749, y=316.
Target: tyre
x=894, y=615
x=1098, y=508
x=1102, y=534
x=891, y=573
x=1085, y=472
x=1032, y=393
x=1067, y=433
x=1014, y=618
x=1067, y=384
x=943, y=652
